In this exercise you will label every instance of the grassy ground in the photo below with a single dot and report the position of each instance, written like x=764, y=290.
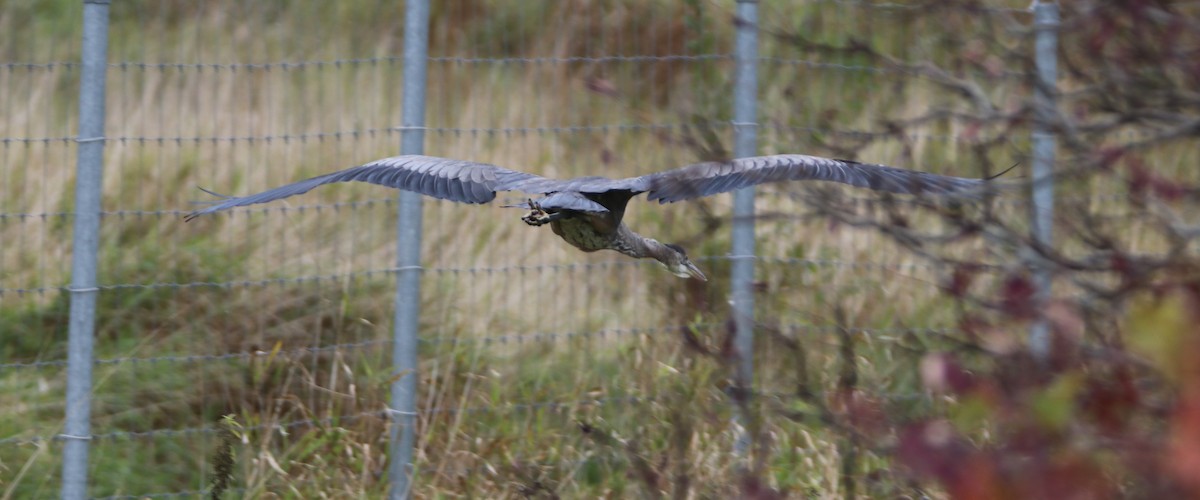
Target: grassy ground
x=544, y=371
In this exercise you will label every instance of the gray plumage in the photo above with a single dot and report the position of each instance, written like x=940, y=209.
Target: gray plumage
x=587, y=212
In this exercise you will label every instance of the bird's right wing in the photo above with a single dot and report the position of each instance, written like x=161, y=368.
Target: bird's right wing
x=704, y=179
x=455, y=180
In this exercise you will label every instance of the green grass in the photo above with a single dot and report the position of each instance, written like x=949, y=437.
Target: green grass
x=665, y=425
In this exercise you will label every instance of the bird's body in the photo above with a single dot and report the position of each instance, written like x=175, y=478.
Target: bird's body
x=590, y=232
x=587, y=212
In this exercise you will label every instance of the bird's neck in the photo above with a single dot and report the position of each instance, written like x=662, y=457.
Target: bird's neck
x=638, y=246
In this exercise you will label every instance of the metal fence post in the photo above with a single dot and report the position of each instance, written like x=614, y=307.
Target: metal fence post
x=1045, y=59
x=408, y=260
x=745, y=120
x=77, y=429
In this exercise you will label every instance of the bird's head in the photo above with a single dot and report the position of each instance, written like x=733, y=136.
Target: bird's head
x=679, y=264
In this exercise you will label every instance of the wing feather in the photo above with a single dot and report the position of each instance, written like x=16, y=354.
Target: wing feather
x=705, y=179
x=455, y=190
x=455, y=180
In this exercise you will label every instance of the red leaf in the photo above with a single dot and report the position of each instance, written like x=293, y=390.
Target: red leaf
x=932, y=449
x=1110, y=399
x=1018, y=297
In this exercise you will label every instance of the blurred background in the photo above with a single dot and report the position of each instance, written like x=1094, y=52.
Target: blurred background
x=890, y=332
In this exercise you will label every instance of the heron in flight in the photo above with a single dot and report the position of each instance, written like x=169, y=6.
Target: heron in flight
x=587, y=212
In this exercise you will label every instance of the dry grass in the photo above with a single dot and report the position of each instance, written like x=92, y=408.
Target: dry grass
x=665, y=421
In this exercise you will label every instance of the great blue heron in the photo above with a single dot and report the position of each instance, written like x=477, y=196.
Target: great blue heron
x=587, y=211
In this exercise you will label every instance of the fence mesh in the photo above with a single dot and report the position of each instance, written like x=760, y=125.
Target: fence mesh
x=540, y=366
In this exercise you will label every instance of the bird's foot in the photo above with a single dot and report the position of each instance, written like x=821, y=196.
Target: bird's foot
x=536, y=216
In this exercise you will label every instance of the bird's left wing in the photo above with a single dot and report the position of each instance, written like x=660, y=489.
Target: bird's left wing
x=455, y=180
x=709, y=178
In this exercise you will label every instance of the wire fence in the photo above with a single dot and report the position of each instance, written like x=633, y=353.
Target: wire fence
x=282, y=315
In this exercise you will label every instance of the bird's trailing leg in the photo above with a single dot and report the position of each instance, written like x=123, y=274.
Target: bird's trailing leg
x=538, y=217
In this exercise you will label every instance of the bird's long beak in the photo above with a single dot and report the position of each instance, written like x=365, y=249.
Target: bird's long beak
x=694, y=271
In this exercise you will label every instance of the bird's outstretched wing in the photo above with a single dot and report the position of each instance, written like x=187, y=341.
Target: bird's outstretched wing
x=455, y=180
x=704, y=179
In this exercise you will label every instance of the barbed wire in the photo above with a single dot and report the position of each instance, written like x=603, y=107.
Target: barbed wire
x=457, y=60
x=204, y=358
x=543, y=130
x=303, y=351
x=369, y=61
x=910, y=70
x=173, y=494
x=380, y=414
x=482, y=271
x=389, y=131
x=389, y=201
x=373, y=61
x=515, y=338
x=311, y=207
x=893, y=6
x=500, y=131
x=323, y=421
x=191, y=431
